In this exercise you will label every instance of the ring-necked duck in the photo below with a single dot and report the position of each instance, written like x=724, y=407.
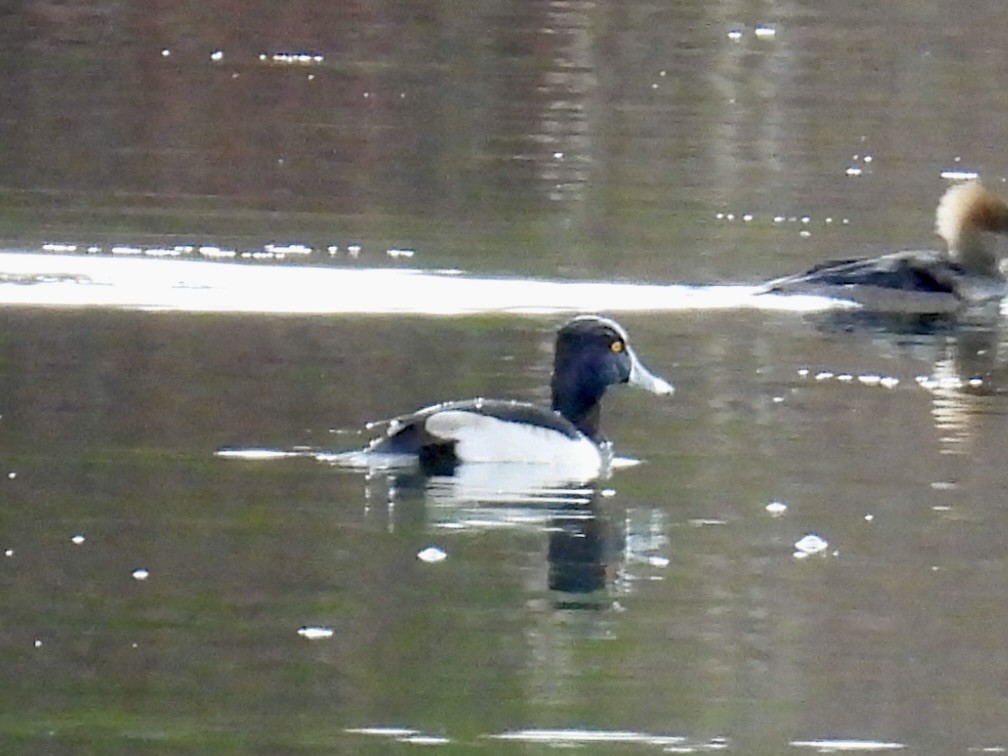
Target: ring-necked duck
x=592, y=353
x=965, y=274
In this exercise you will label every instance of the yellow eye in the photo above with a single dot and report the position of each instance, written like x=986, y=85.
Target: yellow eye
x=617, y=346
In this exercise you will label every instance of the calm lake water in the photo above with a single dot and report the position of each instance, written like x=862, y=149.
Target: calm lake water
x=161, y=598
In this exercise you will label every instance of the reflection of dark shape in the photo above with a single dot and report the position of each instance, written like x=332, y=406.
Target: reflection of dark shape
x=904, y=324
x=583, y=546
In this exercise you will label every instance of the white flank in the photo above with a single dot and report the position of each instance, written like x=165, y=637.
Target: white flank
x=481, y=438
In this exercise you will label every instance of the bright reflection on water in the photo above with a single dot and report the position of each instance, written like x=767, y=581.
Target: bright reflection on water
x=209, y=287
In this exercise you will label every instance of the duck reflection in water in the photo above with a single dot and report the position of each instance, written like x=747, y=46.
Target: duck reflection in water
x=596, y=547
x=585, y=546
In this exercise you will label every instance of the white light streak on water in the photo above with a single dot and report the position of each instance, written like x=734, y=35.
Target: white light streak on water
x=129, y=281
x=830, y=745
x=315, y=633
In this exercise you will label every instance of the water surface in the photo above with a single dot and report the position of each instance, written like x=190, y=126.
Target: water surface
x=488, y=171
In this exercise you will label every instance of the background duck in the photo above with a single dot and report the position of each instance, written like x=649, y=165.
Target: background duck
x=591, y=354
x=966, y=273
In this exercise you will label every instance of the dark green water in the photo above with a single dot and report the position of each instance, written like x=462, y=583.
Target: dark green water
x=603, y=141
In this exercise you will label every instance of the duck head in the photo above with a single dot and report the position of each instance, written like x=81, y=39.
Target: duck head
x=593, y=353
x=967, y=215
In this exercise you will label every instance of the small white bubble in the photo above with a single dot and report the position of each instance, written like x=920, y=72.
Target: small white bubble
x=811, y=543
x=9, y=553
x=38, y=643
x=140, y=574
x=165, y=53
x=11, y=475
x=432, y=554
x=776, y=508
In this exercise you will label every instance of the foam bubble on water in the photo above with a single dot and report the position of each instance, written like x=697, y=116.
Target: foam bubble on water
x=776, y=508
x=809, y=544
x=431, y=555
